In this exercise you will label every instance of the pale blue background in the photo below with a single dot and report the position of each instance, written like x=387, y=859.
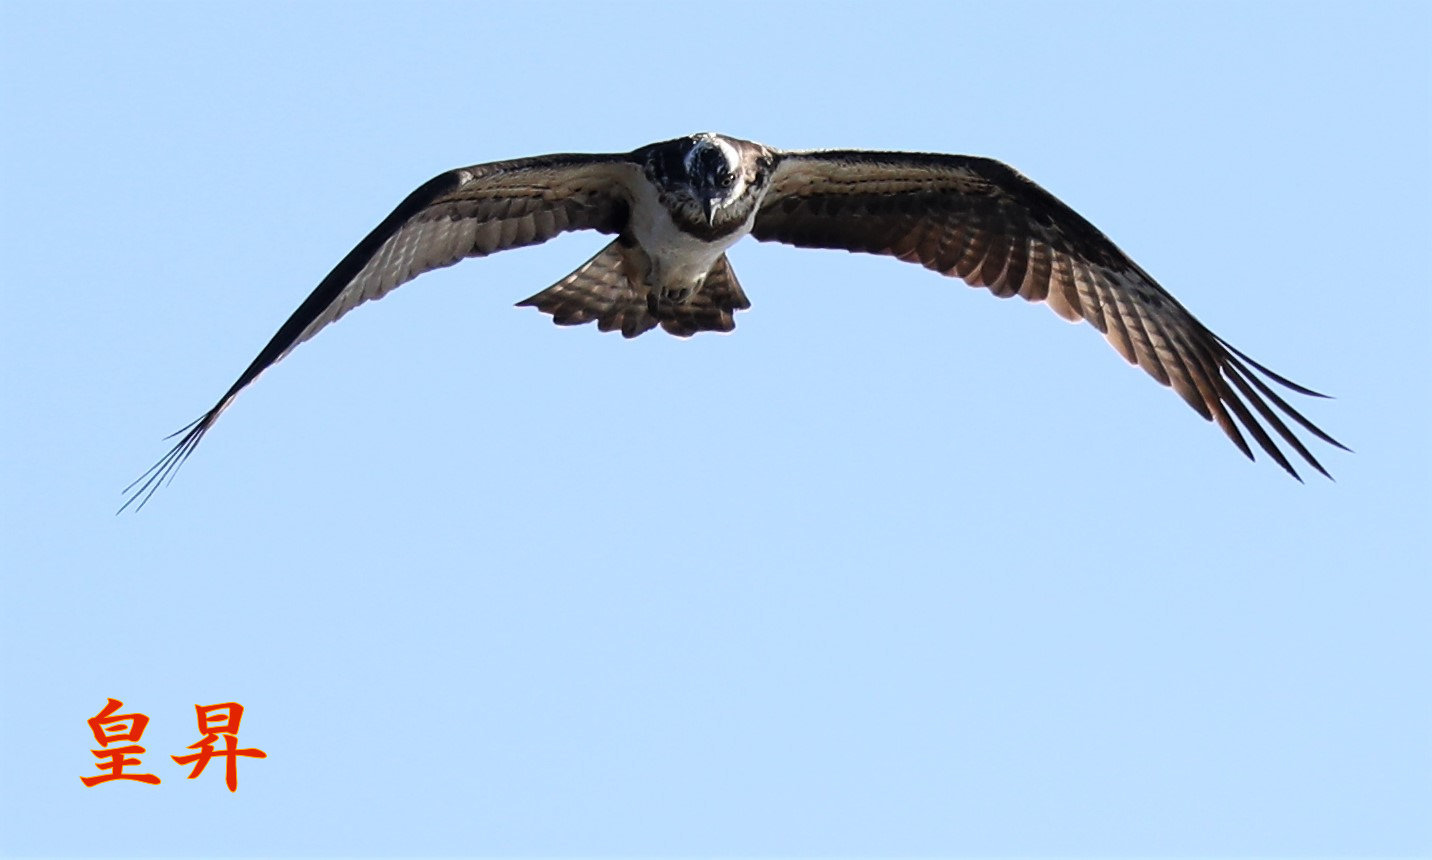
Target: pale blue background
x=896, y=568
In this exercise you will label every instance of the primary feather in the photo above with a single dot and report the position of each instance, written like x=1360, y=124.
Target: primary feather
x=676, y=206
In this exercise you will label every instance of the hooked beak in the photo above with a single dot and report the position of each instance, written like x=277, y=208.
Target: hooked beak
x=709, y=207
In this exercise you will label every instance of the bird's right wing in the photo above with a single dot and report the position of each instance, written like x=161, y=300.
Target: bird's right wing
x=985, y=223
x=469, y=212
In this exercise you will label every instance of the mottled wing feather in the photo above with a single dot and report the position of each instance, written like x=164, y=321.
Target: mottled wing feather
x=478, y=211
x=985, y=223
x=470, y=212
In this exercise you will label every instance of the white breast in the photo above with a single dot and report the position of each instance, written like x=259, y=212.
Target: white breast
x=677, y=258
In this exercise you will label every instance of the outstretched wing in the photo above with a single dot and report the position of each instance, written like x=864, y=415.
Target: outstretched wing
x=470, y=212
x=984, y=222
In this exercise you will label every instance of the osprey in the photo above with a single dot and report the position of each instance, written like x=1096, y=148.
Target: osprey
x=676, y=207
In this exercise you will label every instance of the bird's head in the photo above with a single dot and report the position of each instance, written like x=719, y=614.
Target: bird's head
x=724, y=176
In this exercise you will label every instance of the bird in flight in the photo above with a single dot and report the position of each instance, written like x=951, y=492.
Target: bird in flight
x=677, y=206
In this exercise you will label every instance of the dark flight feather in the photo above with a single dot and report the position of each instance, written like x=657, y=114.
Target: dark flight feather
x=985, y=223
x=471, y=212
x=971, y=218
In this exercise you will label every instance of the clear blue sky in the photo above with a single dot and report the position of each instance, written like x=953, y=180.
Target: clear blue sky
x=897, y=567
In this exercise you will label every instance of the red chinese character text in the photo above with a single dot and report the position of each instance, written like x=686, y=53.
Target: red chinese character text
x=215, y=720
x=109, y=727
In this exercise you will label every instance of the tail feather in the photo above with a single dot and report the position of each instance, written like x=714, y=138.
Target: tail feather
x=604, y=289
x=600, y=289
x=713, y=308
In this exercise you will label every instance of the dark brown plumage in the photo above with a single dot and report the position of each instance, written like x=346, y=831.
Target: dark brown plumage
x=675, y=207
x=985, y=223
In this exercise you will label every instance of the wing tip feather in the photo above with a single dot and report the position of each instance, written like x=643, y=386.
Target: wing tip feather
x=162, y=473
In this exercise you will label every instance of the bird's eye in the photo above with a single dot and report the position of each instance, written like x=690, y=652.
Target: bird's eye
x=726, y=180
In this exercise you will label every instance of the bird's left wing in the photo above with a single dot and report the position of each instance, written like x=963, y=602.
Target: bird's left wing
x=985, y=223
x=469, y=212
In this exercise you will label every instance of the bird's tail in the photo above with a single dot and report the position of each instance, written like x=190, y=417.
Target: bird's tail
x=604, y=289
